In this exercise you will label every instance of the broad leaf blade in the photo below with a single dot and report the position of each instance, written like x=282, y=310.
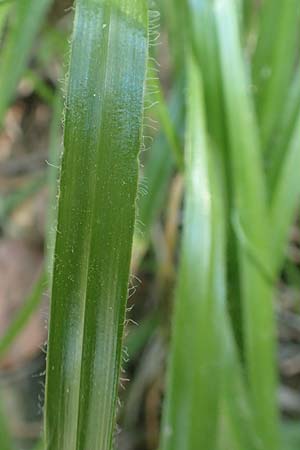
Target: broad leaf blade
x=95, y=222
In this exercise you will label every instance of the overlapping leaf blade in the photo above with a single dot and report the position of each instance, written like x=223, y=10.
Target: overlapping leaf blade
x=252, y=215
x=193, y=382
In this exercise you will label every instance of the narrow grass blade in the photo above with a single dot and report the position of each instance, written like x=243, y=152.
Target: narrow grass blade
x=27, y=19
x=285, y=199
x=96, y=217
x=274, y=61
x=290, y=114
x=252, y=214
x=236, y=405
x=166, y=122
x=193, y=384
x=202, y=33
x=23, y=315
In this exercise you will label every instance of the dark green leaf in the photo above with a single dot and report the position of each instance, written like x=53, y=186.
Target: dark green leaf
x=95, y=222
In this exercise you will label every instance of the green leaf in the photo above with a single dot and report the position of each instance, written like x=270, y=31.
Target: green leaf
x=285, y=199
x=251, y=210
x=194, y=375
x=96, y=217
x=273, y=62
x=289, y=117
x=238, y=414
x=203, y=38
x=26, y=20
